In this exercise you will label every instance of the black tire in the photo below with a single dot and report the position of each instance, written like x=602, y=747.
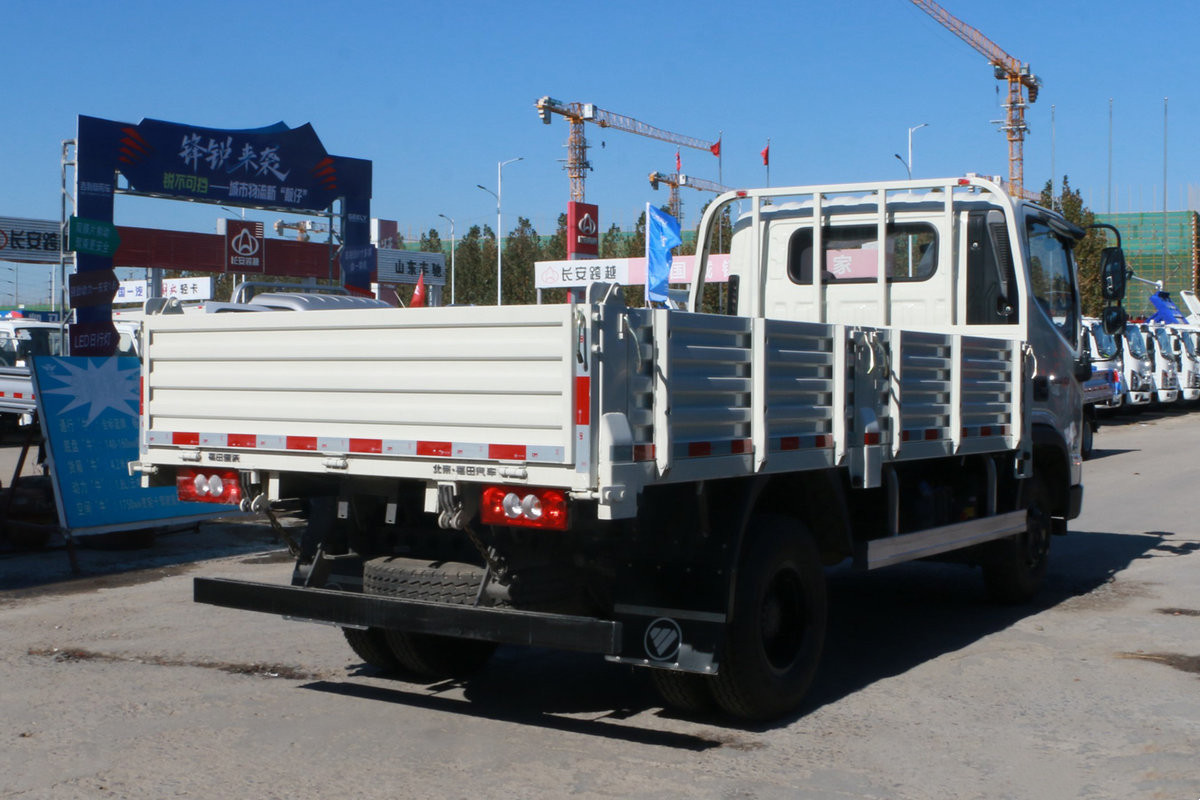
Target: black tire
x=414, y=579
x=436, y=657
x=1014, y=572
x=372, y=647
x=688, y=692
x=776, y=632
x=1087, y=439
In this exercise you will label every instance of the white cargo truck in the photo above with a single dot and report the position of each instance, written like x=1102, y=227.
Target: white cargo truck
x=658, y=485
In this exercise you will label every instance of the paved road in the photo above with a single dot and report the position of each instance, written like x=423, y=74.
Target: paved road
x=115, y=685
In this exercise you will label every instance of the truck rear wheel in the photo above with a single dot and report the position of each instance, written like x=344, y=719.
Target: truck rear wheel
x=372, y=647
x=431, y=656
x=777, y=630
x=1017, y=565
x=688, y=692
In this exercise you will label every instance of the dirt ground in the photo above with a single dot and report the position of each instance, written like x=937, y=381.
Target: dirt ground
x=116, y=685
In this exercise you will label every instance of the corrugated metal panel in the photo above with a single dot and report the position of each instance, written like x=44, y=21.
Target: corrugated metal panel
x=492, y=375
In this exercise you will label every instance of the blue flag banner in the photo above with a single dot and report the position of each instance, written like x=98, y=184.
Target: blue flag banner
x=662, y=234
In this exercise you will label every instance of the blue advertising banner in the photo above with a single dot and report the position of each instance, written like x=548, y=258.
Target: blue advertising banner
x=89, y=413
x=273, y=167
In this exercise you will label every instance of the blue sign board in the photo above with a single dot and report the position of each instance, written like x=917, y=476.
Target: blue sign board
x=271, y=167
x=89, y=413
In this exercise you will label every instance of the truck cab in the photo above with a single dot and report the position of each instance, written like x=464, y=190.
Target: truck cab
x=1161, y=349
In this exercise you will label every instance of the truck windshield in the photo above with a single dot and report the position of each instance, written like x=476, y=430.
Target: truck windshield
x=1137, y=345
x=18, y=345
x=1164, y=341
x=1106, y=346
x=1189, y=343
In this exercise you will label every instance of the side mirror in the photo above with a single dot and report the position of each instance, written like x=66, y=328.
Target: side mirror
x=1112, y=273
x=1114, y=318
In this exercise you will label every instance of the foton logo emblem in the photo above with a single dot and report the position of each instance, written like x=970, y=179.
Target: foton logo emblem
x=663, y=638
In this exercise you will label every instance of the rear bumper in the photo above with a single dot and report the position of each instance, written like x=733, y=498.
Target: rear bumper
x=561, y=631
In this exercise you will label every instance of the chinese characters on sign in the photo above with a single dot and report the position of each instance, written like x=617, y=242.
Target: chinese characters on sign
x=29, y=240
x=183, y=288
x=623, y=271
x=405, y=266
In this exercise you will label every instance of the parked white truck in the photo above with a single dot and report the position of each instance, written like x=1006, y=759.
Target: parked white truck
x=21, y=340
x=662, y=486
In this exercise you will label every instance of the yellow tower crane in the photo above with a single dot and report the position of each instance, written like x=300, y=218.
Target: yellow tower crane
x=579, y=113
x=1006, y=68
x=675, y=180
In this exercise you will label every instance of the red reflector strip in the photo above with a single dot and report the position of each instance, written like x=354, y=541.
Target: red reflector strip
x=180, y=437
x=643, y=452
x=870, y=438
x=741, y=447
x=583, y=400
x=366, y=445
x=301, y=443
x=698, y=449
x=440, y=449
x=790, y=443
x=506, y=452
x=242, y=440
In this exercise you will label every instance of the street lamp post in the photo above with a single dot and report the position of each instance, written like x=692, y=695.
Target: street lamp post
x=452, y=274
x=908, y=168
x=908, y=164
x=496, y=194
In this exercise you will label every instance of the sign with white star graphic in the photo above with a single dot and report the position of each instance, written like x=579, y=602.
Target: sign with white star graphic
x=89, y=413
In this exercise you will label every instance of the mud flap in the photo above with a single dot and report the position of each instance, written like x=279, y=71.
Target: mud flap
x=670, y=638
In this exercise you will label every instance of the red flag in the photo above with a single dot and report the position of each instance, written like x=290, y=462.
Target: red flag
x=716, y=148
x=418, y=298
x=678, y=163
x=766, y=154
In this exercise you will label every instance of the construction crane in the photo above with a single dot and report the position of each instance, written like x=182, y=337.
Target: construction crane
x=675, y=180
x=1006, y=68
x=579, y=113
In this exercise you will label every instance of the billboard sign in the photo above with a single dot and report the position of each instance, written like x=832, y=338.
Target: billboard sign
x=34, y=241
x=89, y=412
x=92, y=288
x=583, y=230
x=244, y=249
x=274, y=166
x=623, y=271
x=92, y=236
x=406, y=266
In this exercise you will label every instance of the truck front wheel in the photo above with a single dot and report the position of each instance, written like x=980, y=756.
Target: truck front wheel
x=777, y=629
x=1015, y=567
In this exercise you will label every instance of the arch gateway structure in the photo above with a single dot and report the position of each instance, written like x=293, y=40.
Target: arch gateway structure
x=272, y=168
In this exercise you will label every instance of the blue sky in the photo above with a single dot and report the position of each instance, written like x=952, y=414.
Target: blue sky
x=435, y=94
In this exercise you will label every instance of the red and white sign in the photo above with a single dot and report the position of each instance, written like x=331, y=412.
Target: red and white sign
x=624, y=271
x=583, y=230
x=244, y=250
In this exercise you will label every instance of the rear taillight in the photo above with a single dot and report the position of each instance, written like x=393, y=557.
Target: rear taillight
x=524, y=507
x=208, y=486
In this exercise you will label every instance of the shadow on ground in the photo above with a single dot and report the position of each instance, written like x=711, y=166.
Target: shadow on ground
x=107, y=562
x=881, y=625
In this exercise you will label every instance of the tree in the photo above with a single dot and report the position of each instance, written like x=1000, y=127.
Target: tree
x=556, y=248
x=1070, y=204
x=431, y=242
x=521, y=250
x=472, y=285
x=612, y=245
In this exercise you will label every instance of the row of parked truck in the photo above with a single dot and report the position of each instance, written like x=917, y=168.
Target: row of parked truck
x=1154, y=362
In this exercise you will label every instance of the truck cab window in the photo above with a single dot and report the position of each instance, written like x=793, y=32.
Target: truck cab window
x=1052, y=277
x=852, y=253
